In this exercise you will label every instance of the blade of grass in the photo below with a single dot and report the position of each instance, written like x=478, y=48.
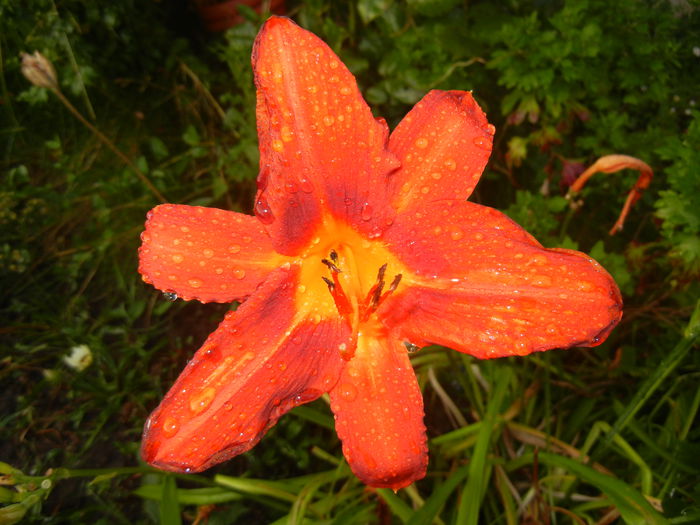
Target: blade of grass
x=429, y=511
x=633, y=507
x=169, y=508
x=652, y=383
x=479, y=467
x=396, y=504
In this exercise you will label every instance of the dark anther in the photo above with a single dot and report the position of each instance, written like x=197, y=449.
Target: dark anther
x=381, y=272
x=334, y=256
x=330, y=284
x=376, y=295
x=332, y=267
x=394, y=283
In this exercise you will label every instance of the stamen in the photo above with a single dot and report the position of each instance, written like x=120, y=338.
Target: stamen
x=395, y=283
x=332, y=267
x=381, y=272
x=334, y=256
x=330, y=284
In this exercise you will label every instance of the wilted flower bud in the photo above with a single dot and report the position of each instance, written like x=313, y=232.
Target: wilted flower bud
x=38, y=70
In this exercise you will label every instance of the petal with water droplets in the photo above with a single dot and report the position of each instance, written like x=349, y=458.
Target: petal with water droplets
x=481, y=284
x=205, y=253
x=322, y=152
x=378, y=410
x=261, y=361
x=443, y=144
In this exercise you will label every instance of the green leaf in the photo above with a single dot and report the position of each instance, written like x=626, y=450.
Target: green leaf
x=633, y=507
x=169, y=507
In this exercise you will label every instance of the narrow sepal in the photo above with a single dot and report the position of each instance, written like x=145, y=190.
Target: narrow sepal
x=322, y=153
x=443, y=145
x=378, y=410
x=261, y=361
x=205, y=253
x=481, y=284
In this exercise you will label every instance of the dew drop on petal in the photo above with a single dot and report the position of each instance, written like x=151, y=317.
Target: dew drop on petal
x=263, y=211
x=177, y=258
x=170, y=296
x=456, y=234
x=482, y=143
x=234, y=248
x=542, y=281
x=208, y=253
x=490, y=129
x=305, y=185
x=201, y=401
x=170, y=427
x=277, y=145
x=421, y=143
x=366, y=212
x=239, y=274
x=348, y=391
x=195, y=283
x=450, y=164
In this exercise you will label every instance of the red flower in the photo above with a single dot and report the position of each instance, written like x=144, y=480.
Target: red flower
x=362, y=242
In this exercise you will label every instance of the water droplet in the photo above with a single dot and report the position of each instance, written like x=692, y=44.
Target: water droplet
x=543, y=281
x=170, y=296
x=306, y=185
x=291, y=187
x=411, y=347
x=177, y=258
x=436, y=175
x=490, y=129
x=195, y=283
x=345, y=90
x=456, y=234
x=328, y=120
x=170, y=427
x=201, y=401
x=421, y=143
x=450, y=164
x=263, y=211
x=234, y=248
x=208, y=253
x=239, y=274
x=366, y=212
x=584, y=286
x=482, y=142
x=287, y=134
x=277, y=145
x=348, y=391
x=184, y=229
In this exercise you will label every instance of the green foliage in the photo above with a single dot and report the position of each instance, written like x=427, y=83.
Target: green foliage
x=597, y=432
x=679, y=205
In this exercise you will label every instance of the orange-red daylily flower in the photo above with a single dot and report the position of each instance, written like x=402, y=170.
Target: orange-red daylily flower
x=363, y=242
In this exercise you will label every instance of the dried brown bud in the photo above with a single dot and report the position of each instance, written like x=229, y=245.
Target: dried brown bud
x=38, y=70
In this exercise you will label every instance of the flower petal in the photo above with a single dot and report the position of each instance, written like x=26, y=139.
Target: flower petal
x=321, y=149
x=205, y=253
x=482, y=285
x=443, y=144
x=263, y=360
x=378, y=411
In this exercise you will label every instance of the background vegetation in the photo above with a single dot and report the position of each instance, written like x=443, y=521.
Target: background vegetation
x=583, y=436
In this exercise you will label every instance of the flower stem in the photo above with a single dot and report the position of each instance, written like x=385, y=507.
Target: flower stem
x=109, y=144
